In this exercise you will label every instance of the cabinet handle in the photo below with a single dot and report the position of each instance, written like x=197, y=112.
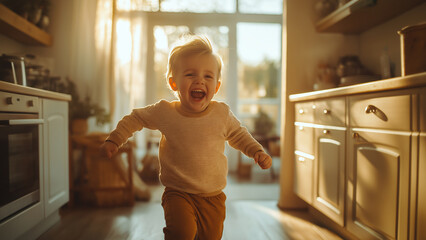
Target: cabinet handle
x=301, y=159
x=370, y=109
x=355, y=135
x=301, y=128
x=326, y=111
x=325, y=131
x=301, y=111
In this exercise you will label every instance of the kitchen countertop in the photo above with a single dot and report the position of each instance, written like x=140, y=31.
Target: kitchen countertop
x=410, y=81
x=14, y=88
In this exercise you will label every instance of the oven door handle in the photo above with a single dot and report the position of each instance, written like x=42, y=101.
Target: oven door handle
x=13, y=122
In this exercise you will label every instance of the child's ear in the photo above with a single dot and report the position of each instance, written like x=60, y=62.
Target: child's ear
x=173, y=84
x=218, y=86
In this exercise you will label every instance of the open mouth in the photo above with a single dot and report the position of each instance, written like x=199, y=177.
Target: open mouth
x=198, y=94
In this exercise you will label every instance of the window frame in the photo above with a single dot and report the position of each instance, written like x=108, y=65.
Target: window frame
x=193, y=20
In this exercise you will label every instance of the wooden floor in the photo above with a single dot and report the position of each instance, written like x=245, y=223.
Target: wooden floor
x=252, y=214
x=246, y=220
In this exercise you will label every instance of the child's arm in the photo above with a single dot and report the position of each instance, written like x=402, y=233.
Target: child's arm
x=239, y=138
x=138, y=119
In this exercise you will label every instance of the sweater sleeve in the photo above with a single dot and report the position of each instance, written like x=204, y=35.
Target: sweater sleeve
x=138, y=119
x=239, y=137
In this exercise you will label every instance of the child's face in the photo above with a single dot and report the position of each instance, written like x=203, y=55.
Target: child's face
x=196, y=81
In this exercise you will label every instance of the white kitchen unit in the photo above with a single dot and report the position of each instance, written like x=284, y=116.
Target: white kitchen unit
x=53, y=190
x=55, y=159
x=369, y=159
x=329, y=172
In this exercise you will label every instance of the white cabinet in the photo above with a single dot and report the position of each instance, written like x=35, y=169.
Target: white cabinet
x=304, y=151
x=378, y=184
x=329, y=172
x=55, y=160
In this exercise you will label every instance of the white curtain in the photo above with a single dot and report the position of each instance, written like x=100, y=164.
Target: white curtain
x=108, y=57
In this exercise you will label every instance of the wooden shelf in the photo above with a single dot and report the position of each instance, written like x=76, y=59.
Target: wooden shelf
x=18, y=28
x=357, y=16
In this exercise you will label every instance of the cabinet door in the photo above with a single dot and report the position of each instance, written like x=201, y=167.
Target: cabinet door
x=303, y=175
x=378, y=184
x=329, y=174
x=56, y=188
x=421, y=206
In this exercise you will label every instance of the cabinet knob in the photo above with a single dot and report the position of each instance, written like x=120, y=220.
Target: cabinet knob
x=30, y=103
x=355, y=135
x=325, y=131
x=301, y=111
x=370, y=109
x=326, y=111
x=301, y=128
x=301, y=159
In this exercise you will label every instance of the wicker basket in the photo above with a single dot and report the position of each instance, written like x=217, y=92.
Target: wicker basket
x=111, y=188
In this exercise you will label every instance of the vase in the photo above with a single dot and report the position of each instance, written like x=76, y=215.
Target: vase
x=79, y=126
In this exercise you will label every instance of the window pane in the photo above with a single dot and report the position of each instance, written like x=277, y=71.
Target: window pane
x=164, y=37
x=260, y=119
x=219, y=38
x=198, y=6
x=146, y=5
x=261, y=7
x=259, y=60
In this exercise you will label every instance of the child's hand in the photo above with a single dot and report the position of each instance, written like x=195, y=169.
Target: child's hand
x=108, y=149
x=263, y=159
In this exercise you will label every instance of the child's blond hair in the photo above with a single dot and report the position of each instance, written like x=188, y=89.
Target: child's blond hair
x=191, y=45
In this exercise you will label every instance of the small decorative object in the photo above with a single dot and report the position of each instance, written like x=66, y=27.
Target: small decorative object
x=324, y=7
x=351, y=71
x=413, y=49
x=326, y=77
x=44, y=22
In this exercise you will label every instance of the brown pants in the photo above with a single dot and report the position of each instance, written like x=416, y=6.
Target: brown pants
x=189, y=216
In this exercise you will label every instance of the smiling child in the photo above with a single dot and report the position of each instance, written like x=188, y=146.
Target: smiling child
x=193, y=166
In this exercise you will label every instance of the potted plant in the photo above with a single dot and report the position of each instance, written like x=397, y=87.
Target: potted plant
x=81, y=109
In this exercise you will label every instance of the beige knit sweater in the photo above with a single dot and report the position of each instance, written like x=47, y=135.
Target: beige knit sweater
x=192, y=145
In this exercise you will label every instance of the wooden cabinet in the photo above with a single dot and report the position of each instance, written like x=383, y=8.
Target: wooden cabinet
x=367, y=168
x=329, y=173
x=378, y=184
x=330, y=112
x=55, y=134
x=303, y=175
x=421, y=187
x=17, y=27
x=357, y=16
x=421, y=199
x=304, y=150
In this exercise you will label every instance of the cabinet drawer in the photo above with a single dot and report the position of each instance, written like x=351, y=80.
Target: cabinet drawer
x=304, y=112
x=303, y=176
x=304, y=139
x=383, y=111
x=330, y=112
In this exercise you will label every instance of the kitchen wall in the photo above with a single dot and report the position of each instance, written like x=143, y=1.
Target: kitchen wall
x=375, y=40
x=304, y=48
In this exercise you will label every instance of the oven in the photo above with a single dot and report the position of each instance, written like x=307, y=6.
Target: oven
x=20, y=138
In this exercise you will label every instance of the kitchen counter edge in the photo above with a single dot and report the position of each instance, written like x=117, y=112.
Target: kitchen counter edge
x=14, y=88
x=409, y=81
